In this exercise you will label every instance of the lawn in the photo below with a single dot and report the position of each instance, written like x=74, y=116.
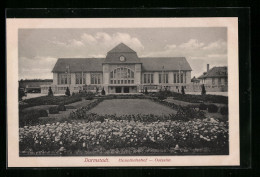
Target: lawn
x=131, y=106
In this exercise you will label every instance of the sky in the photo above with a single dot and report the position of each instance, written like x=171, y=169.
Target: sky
x=39, y=49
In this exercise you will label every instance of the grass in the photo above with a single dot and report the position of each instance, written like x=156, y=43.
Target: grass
x=131, y=106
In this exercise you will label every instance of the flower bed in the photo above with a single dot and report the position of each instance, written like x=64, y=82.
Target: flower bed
x=193, y=98
x=69, y=138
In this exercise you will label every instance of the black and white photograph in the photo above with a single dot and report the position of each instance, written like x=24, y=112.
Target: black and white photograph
x=147, y=94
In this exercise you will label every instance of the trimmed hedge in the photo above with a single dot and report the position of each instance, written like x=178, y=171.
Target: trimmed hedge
x=212, y=108
x=54, y=100
x=53, y=110
x=193, y=98
x=202, y=106
x=61, y=107
x=224, y=110
x=31, y=117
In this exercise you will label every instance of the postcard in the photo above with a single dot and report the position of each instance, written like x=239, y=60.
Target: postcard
x=112, y=92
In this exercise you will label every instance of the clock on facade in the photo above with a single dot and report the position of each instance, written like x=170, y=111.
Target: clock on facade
x=122, y=58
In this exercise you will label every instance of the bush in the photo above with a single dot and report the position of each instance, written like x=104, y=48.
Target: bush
x=61, y=107
x=203, y=90
x=53, y=110
x=146, y=91
x=212, y=108
x=50, y=93
x=89, y=97
x=182, y=90
x=67, y=91
x=224, y=110
x=203, y=106
x=103, y=92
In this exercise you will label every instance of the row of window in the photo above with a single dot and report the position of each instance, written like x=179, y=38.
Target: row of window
x=164, y=78
x=129, y=81
x=218, y=80
x=121, y=73
x=80, y=78
x=121, y=76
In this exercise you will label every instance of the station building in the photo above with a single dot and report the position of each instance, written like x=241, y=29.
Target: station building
x=121, y=71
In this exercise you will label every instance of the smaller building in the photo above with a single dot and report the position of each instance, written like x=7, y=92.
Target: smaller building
x=194, y=80
x=33, y=85
x=215, y=79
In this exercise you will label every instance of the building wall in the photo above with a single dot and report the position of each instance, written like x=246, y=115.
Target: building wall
x=138, y=81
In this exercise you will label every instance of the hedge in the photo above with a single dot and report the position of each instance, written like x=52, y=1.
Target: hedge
x=224, y=110
x=53, y=110
x=202, y=106
x=31, y=117
x=61, y=107
x=212, y=108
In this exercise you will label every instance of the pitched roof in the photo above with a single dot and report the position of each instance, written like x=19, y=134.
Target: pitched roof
x=95, y=64
x=194, y=79
x=165, y=63
x=215, y=72
x=122, y=50
x=79, y=64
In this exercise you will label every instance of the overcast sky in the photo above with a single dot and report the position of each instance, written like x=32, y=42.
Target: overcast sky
x=39, y=49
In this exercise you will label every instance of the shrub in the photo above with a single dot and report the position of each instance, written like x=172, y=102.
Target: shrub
x=67, y=91
x=103, y=92
x=43, y=113
x=61, y=107
x=182, y=90
x=146, y=91
x=212, y=108
x=203, y=90
x=21, y=93
x=50, y=93
x=53, y=110
x=89, y=97
x=224, y=110
x=203, y=106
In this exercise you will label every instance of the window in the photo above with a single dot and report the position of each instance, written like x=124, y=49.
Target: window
x=80, y=78
x=174, y=78
x=64, y=79
x=148, y=78
x=219, y=81
x=181, y=77
x=163, y=78
x=122, y=75
x=213, y=81
x=95, y=79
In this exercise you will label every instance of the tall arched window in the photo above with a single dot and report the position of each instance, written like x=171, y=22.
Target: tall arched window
x=122, y=76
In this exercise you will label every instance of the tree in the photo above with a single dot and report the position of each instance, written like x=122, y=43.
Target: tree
x=50, y=93
x=203, y=90
x=182, y=90
x=20, y=93
x=103, y=92
x=67, y=91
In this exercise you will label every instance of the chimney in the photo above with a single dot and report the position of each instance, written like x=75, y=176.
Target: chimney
x=207, y=67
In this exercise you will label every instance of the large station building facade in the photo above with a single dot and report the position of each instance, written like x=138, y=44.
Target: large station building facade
x=121, y=71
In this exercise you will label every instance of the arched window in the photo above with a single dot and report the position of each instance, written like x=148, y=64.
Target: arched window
x=122, y=76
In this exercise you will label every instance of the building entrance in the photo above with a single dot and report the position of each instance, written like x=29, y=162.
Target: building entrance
x=126, y=89
x=118, y=89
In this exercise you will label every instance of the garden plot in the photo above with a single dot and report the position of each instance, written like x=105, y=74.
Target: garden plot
x=131, y=106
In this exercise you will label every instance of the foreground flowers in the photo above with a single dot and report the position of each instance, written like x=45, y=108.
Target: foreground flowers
x=81, y=135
